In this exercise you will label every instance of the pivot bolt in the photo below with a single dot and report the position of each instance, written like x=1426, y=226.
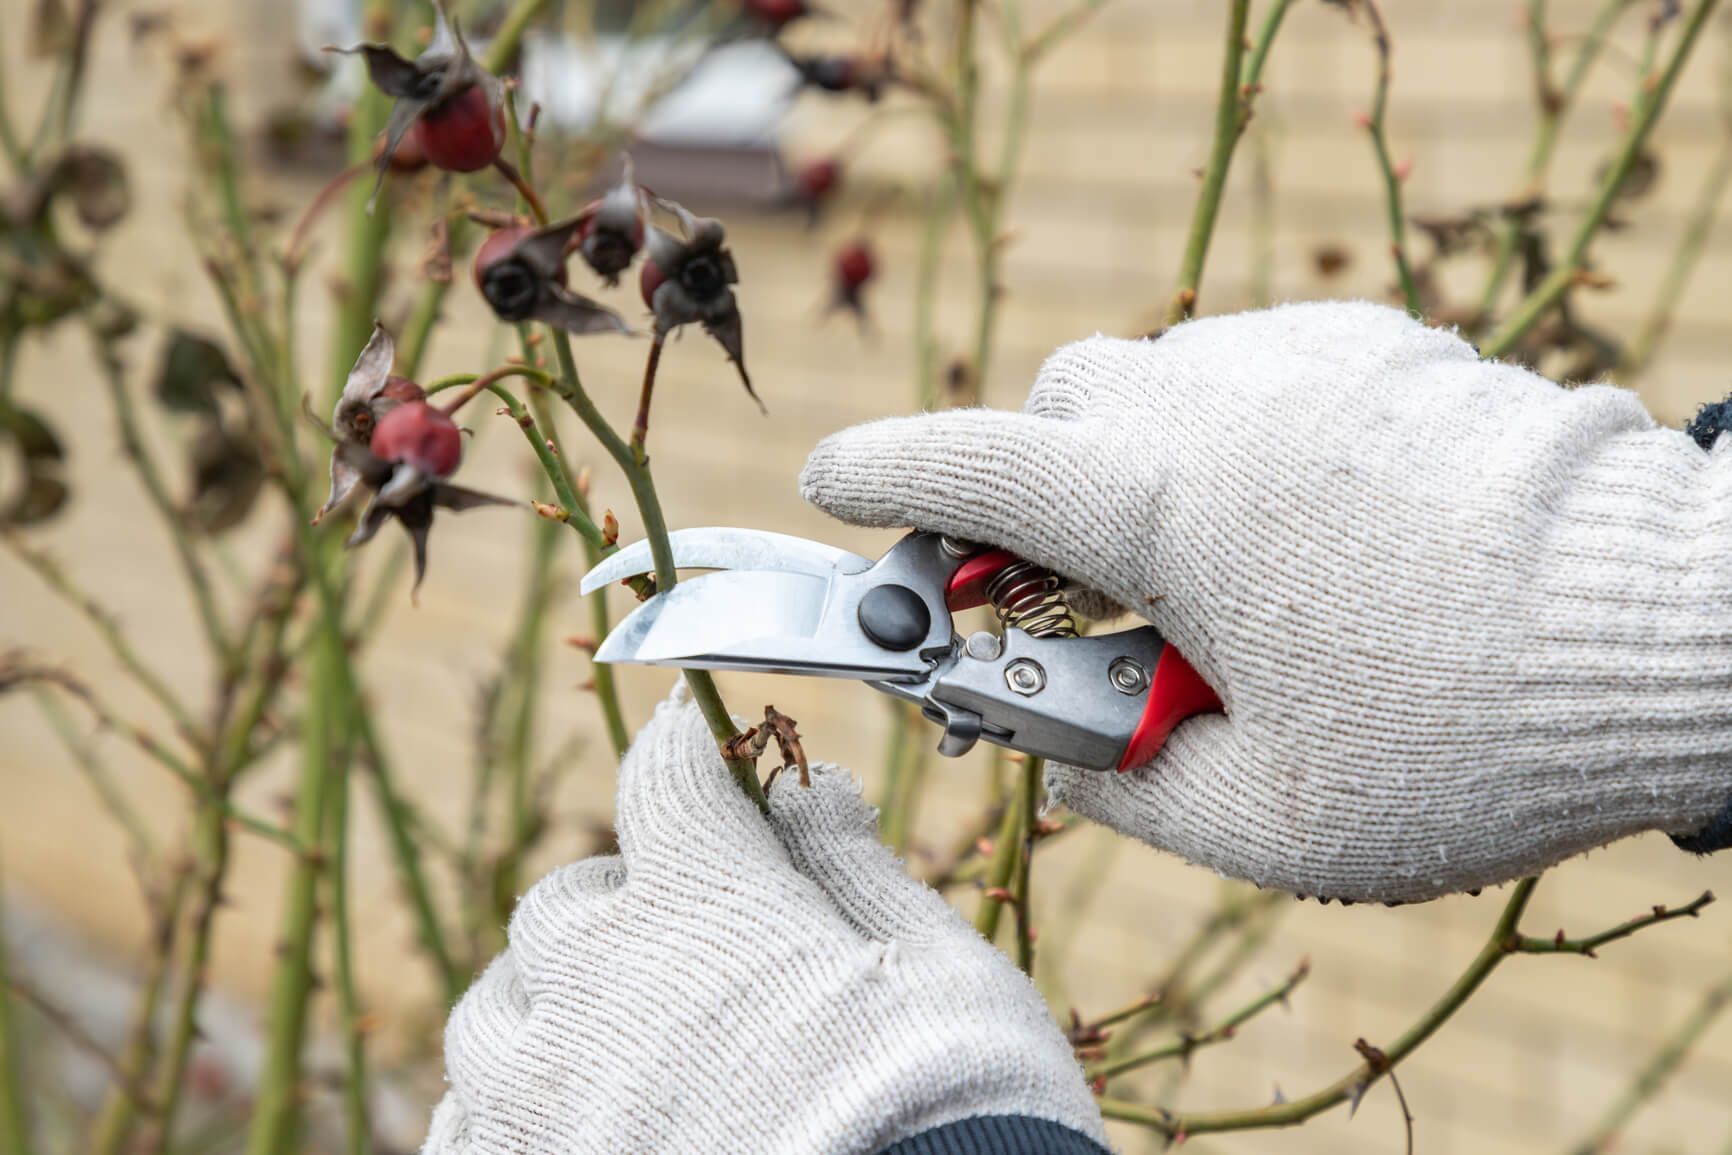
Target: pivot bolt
x=1128, y=676
x=1024, y=676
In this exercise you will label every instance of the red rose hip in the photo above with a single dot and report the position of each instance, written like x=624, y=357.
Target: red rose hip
x=464, y=133
x=417, y=434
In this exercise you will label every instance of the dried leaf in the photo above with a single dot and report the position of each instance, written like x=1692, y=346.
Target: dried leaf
x=228, y=473
x=194, y=374
x=43, y=491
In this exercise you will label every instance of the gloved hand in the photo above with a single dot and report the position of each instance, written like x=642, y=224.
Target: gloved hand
x=730, y=984
x=1465, y=623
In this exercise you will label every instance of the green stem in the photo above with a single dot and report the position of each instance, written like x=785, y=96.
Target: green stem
x=1644, y=114
x=1659, y=1067
x=601, y=673
x=105, y=624
x=1691, y=245
x=14, y=1119
x=277, y=1109
x=1380, y=147
x=144, y=465
x=1285, y=1114
x=1554, y=104
x=114, y=1123
x=1005, y=845
x=637, y=473
x=1227, y=129
x=1187, y=1045
x=400, y=829
x=1030, y=808
x=348, y=1001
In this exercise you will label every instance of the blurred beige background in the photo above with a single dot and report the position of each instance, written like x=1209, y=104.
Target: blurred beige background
x=1119, y=122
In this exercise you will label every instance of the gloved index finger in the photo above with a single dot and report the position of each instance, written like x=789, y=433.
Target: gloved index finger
x=983, y=475
x=679, y=808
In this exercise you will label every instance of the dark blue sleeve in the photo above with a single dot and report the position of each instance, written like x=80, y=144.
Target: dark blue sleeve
x=1717, y=835
x=998, y=1135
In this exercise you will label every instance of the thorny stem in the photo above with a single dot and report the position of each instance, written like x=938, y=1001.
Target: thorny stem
x=1228, y=125
x=1505, y=939
x=366, y=232
x=573, y=511
x=606, y=692
x=1240, y=919
x=348, y=1001
x=114, y=1124
x=1659, y=1067
x=74, y=1033
x=1554, y=104
x=399, y=829
x=1188, y=1044
x=277, y=1113
x=104, y=622
x=101, y=777
x=511, y=173
x=1030, y=806
x=1380, y=146
x=1644, y=114
x=1006, y=848
x=640, y=424
x=1691, y=243
x=192, y=566
x=570, y=388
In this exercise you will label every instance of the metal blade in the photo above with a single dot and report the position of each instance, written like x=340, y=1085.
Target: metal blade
x=749, y=620
x=719, y=547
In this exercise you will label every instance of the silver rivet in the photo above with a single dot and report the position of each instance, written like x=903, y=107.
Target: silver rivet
x=956, y=547
x=1128, y=676
x=1024, y=676
x=983, y=646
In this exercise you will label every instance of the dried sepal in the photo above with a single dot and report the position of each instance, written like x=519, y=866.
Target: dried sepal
x=690, y=278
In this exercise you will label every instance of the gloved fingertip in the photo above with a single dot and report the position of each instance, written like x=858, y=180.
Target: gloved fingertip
x=834, y=805
x=448, y=1133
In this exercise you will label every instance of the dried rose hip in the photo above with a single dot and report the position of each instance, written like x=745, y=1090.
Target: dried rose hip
x=692, y=279
x=814, y=183
x=389, y=440
x=853, y=267
x=775, y=15
x=613, y=230
x=521, y=274
x=455, y=107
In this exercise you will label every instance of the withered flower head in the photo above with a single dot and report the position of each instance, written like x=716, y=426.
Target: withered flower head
x=390, y=440
x=692, y=279
x=613, y=229
x=853, y=267
x=455, y=107
x=521, y=273
x=866, y=75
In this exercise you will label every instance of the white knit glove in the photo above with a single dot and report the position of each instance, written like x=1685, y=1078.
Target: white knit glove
x=1465, y=623
x=727, y=984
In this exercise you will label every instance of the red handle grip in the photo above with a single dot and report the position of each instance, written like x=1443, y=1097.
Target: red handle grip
x=967, y=586
x=1176, y=692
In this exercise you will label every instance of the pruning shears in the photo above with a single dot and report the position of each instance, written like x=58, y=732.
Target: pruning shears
x=786, y=605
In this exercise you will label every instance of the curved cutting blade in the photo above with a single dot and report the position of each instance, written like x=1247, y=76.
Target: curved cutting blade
x=750, y=620
x=719, y=547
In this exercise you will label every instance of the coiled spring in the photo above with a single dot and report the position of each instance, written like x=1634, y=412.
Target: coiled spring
x=1032, y=599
